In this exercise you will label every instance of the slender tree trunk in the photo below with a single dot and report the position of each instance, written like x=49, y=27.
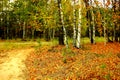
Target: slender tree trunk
x=119, y=21
x=114, y=31
x=119, y=32
x=105, y=35
x=93, y=25
x=115, y=23
x=116, y=36
x=48, y=34
x=4, y=33
x=7, y=32
x=63, y=35
x=89, y=19
x=16, y=33
x=53, y=33
x=7, y=25
x=90, y=30
x=78, y=42
x=24, y=23
x=104, y=25
x=74, y=26
x=33, y=31
x=7, y=22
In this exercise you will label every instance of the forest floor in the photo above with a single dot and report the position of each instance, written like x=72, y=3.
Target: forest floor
x=91, y=62
x=12, y=65
x=46, y=62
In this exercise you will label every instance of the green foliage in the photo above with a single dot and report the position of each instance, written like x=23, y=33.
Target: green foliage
x=100, y=39
x=64, y=60
x=107, y=77
x=103, y=66
x=39, y=42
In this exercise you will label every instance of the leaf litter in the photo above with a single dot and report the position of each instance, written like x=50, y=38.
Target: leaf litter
x=94, y=62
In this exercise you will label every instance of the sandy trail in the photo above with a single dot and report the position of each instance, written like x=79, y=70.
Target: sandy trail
x=14, y=68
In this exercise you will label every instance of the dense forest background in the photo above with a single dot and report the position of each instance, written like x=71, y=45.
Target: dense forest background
x=62, y=19
x=59, y=39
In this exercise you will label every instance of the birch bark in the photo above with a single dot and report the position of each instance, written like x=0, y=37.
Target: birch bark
x=78, y=42
x=62, y=24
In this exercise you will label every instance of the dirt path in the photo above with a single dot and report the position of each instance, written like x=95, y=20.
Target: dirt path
x=14, y=68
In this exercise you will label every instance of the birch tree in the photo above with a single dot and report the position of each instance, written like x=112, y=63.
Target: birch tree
x=90, y=19
x=104, y=24
x=62, y=30
x=78, y=42
x=74, y=24
x=92, y=23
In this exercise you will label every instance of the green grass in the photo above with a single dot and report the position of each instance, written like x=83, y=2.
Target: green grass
x=16, y=44
x=99, y=39
x=54, y=42
x=8, y=45
x=19, y=44
x=42, y=42
x=87, y=40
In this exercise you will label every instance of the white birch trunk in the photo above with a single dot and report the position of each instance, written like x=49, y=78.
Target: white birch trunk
x=62, y=22
x=79, y=25
x=74, y=26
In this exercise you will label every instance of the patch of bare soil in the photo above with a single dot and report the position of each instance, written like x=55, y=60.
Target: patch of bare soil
x=12, y=66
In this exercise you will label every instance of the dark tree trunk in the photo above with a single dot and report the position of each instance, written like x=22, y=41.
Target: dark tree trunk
x=7, y=32
x=47, y=34
x=61, y=33
x=61, y=36
x=53, y=33
x=116, y=36
x=24, y=24
x=33, y=32
x=115, y=23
